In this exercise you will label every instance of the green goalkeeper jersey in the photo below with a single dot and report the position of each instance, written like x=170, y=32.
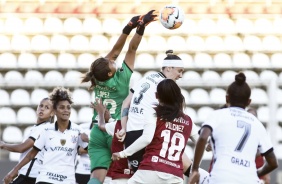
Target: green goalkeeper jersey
x=114, y=91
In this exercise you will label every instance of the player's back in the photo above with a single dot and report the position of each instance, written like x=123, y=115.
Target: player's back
x=144, y=97
x=164, y=153
x=236, y=136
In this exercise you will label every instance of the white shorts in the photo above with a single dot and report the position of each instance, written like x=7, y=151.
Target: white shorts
x=149, y=177
x=119, y=181
x=107, y=180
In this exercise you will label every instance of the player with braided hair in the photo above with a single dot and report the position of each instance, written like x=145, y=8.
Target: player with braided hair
x=60, y=142
x=29, y=172
x=111, y=85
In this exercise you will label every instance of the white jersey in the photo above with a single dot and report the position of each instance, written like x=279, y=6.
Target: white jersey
x=83, y=162
x=236, y=137
x=31, y=169
x=144, y=96
x=60, y=150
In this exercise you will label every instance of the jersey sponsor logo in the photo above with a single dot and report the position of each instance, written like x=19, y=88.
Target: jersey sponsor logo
x=169, y=163
x=104, y=88
x=239, y=113
x=126, y=171
x=103, y=94
x=63, y=142
x=60, y=148
x=240, y=162
x=181, y=120
x=174, y=127
x=134, y=163
x=86, y=167
x=55, y=176
x=155, y=159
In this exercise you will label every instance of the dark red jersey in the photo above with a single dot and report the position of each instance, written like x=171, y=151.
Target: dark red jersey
x=119, y=168
x=164, y=153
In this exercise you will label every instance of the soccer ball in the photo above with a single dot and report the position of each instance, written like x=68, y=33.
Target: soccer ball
x=171, y=17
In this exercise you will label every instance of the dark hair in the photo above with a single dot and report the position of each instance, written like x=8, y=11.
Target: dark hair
x=170, y=56
x=171, y=100
x=60, y=94
x=99, y=70
x=239, y=91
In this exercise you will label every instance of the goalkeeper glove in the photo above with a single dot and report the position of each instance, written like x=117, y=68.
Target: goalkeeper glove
x=144, y=20
x=131, y=25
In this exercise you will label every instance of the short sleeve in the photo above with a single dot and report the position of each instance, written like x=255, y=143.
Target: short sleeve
x=41, y=140
x=36, y=132
x=125, y=73
x=264, y=143
x=194, y=133
x=211, y=121
x=81, y=143
x=81, y=130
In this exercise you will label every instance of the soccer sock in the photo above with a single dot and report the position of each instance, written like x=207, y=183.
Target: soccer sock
x=187, y=172
x=94, y=181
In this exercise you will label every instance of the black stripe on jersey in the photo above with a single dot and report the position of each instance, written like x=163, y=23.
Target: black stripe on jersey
x=57, y=127
x=40, y=123
x=99, y=168
x=161, y=74
x=30, y=167
x=36, y=148
x=208, y=126
x=128, y=67
x=32, y=138
x=77, y=150
x=267, y=152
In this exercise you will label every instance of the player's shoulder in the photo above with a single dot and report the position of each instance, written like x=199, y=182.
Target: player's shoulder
x=42, y=126
x=49, y=126
x=123, y=69
x=75, y=126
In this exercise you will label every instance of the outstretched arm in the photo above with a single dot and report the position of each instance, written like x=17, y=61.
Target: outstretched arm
x=135, y=41
x=143, y=140
x=114, y=53
x=19, y=148
x=14, y=172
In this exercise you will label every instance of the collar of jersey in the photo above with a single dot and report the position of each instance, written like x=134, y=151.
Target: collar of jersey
x=40, y=123
x=56, y=125
x=237, y=108
x=162, y=75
